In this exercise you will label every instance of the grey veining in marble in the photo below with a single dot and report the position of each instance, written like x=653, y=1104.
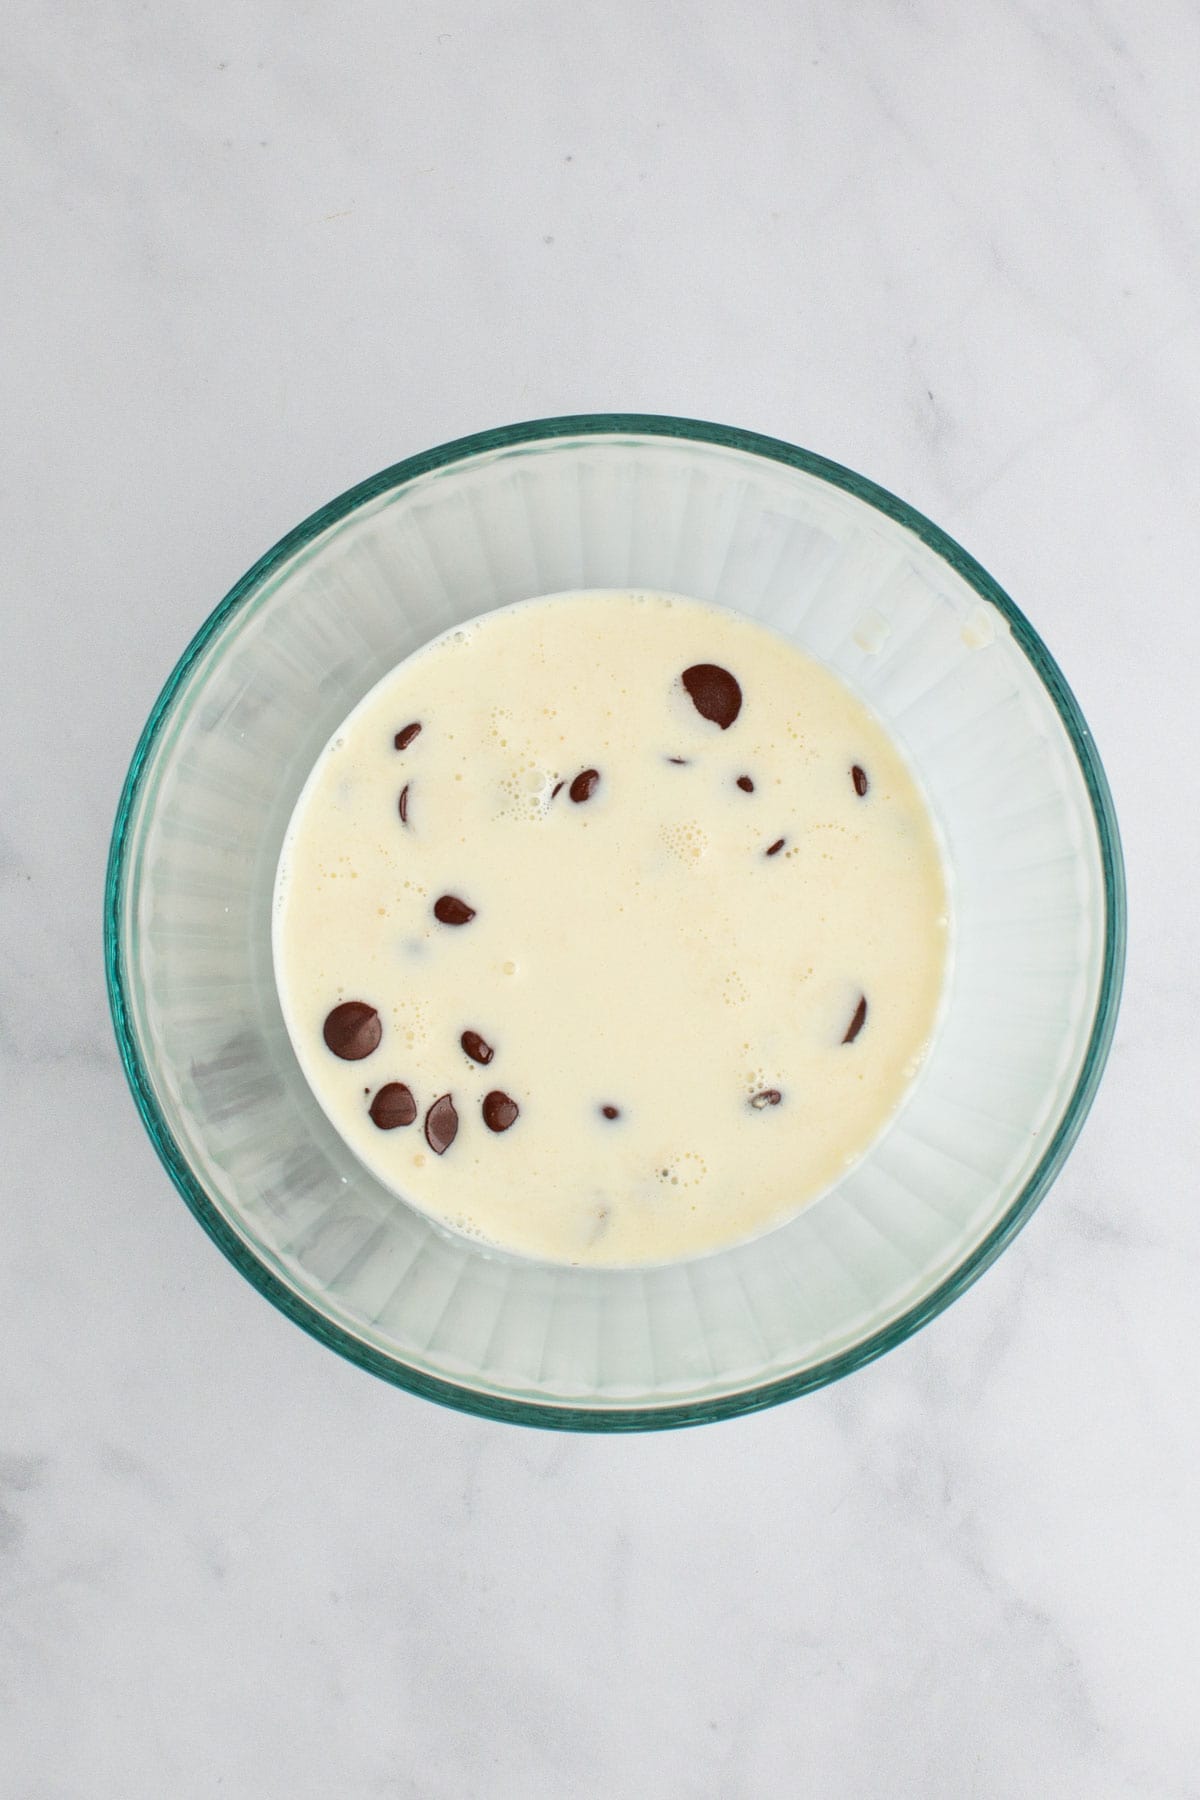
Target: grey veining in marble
x=253, y=253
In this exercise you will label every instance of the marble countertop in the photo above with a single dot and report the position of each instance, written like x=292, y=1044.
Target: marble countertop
x=255, y=253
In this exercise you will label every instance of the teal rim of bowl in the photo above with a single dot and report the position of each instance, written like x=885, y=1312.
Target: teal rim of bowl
x=753, y=1399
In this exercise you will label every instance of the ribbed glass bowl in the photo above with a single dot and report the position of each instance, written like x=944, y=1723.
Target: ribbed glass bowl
x=860, y=581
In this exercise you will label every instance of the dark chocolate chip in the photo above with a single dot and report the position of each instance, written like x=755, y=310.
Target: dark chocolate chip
x=404, y=738
x=767, y=1097
x=715, y=693
x=450, y=910
x=404, y=804
x=441, y=1125
x=775, y=848
x=679, y=761
x=477, y=1048
x=857, y=1022
x=393, y=1105
x=557, y=789
x=745, y=783
x=499, y=1110
x=858, y=776
x=585, y=785
x=352, y=1030
x=611, y=1112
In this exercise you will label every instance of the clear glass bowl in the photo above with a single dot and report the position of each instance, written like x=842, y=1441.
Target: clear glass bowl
x=860, y=581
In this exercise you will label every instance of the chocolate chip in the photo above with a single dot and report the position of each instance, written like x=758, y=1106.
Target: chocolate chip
x=352, y=1030
x=477, y=1048
x=557, y=789
x=715, y=694
x=767, y=1097
x=450, y=910
x=775, y=848
x=858, y=776
x=441, y=1125
x=679, y=761
x=404, y=804
x=499, y=1110
x=611, y=1112
x=404, y=738
x=585, y=785
x=745, y=783
x=857, y=1022
x=393, y=1105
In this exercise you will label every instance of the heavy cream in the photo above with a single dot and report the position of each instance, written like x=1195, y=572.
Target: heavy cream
x=610, y=928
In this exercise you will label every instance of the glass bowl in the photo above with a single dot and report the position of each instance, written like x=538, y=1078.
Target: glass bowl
x=859, y=580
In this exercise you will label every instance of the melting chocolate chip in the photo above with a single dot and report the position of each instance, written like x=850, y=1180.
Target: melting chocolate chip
x=352, y=1030
x=745, y=783
x=611, y=1112
x=857, y=1022
x=404, y=738
x=775, y=848
x=499, y=1110
x=715, y=693
x=441, y=1125
x=477, y=1048
x=766, y=1097
x=450, y=910
x=858, y=776
x=404, y=804
x=393, y=1105
x=585, y=785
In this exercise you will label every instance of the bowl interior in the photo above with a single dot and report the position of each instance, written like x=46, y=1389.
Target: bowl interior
x=910, y=624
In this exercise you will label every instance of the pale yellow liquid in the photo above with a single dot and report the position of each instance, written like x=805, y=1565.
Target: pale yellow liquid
x=639, y=950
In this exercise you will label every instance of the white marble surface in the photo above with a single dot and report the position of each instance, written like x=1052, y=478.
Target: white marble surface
x=254, y=253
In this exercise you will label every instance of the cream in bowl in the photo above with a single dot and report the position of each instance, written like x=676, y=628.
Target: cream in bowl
x=610, y=928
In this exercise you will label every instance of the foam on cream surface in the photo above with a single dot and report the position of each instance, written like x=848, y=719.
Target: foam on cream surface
x=638, y=949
